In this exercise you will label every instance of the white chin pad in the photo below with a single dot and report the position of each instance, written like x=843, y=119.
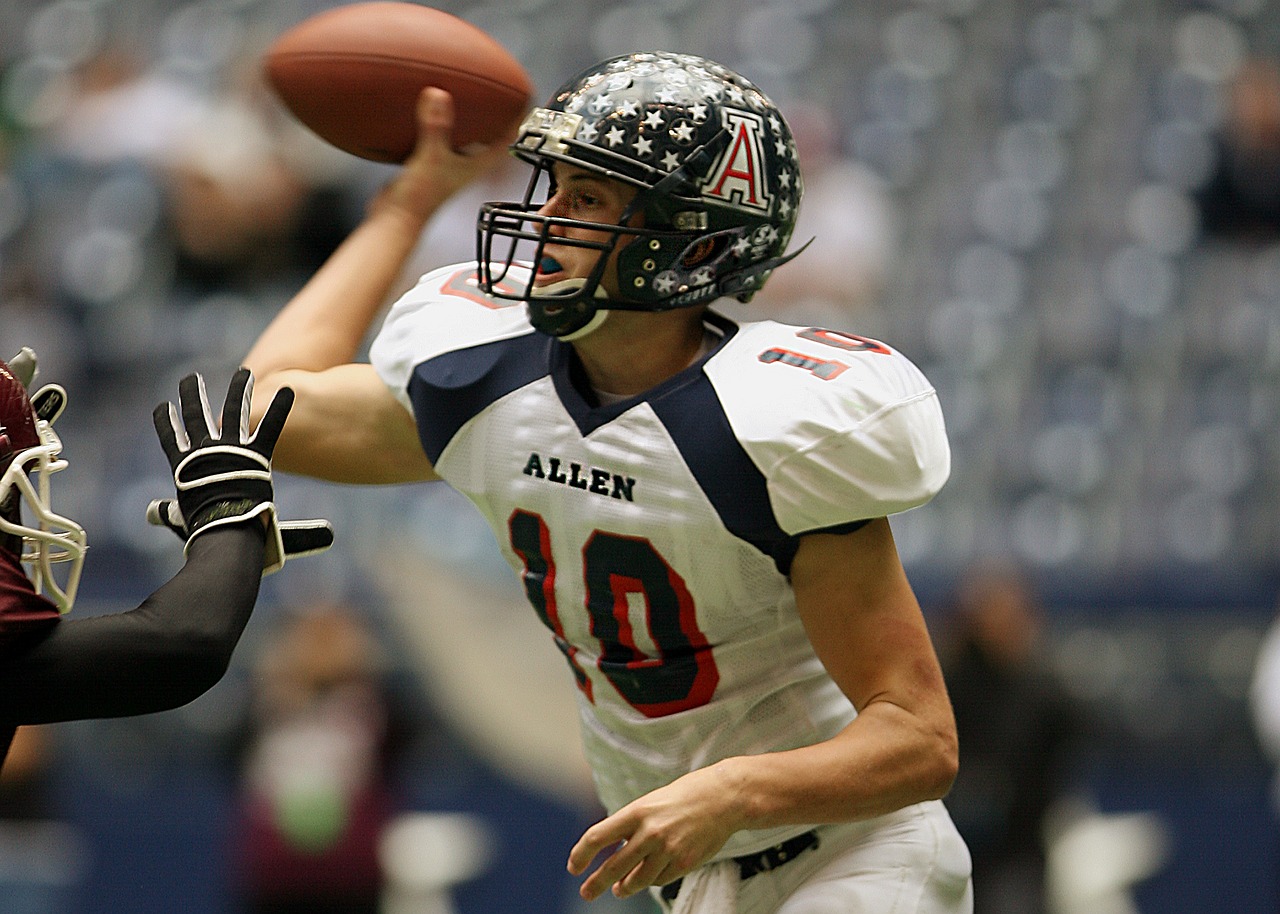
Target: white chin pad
x=560, y=289
x=592, y=325
x=568, y=287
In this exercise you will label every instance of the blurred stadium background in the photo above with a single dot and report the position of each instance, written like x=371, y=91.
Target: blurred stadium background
x=1010, y=191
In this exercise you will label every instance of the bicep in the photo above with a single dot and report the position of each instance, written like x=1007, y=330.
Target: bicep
x=345, y=426
x=865, y=623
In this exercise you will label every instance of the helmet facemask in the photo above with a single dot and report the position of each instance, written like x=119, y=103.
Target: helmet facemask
x=30, y=453
x=564, y=309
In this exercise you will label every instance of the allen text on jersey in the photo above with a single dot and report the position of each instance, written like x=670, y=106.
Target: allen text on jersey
x=576, y=476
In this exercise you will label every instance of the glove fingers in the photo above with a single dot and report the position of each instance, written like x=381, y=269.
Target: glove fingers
x=173, y=438
x=235, y=409
x=196, y=415
x=264, y=439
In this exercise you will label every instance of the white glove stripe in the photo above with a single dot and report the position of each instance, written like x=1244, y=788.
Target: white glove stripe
x=183, y=485
x=209, y=422
x=245, y=437
x=264, y=474
x=179, y=430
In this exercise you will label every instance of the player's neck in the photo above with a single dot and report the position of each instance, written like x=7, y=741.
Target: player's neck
x=635, y=351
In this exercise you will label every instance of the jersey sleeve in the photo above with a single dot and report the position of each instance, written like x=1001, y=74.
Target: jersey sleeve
x=444, y=311
x=841, y=435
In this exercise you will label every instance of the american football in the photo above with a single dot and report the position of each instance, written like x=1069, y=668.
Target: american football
x=353, y=75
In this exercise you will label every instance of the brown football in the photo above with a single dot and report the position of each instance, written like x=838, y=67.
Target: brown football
x=353, y=75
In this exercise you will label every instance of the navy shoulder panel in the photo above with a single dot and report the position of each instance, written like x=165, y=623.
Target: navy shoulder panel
x=449, y=390
x=695, y=419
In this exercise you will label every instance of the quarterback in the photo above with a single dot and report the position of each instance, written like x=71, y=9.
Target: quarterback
x=696, y=507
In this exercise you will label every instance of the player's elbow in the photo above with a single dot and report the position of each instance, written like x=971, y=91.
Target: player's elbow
x=943, y=762
x=205, y=678
x=178, y=678
x=203, y=664
x=191, y=653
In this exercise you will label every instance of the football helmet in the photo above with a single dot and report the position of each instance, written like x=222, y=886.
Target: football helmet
x=29, y=455
x=714, y=164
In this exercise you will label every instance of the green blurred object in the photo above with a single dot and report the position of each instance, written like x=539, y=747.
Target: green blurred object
x=312, y=817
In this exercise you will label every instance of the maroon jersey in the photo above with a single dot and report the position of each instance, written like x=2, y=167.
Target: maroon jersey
x=21, y=608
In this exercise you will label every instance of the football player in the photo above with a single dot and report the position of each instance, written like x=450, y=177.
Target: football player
x=697, y=507
x=178, y=642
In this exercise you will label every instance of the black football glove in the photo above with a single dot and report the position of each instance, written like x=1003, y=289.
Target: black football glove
x=224, y=477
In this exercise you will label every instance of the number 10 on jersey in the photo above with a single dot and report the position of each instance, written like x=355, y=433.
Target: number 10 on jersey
x=681, y=675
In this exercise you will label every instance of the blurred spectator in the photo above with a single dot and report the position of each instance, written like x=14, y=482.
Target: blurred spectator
x=25, y=779
x=121, y=110
x=1241, y=198
x=242, y=213
x=1018, y=731
x=250, y=198
x=42, y=859
x=318, y=769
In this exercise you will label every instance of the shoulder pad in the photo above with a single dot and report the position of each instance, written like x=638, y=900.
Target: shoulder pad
x=844, y=427
x=445, y=311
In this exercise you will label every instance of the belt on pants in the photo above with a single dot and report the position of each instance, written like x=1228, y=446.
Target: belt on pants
x=760, y=862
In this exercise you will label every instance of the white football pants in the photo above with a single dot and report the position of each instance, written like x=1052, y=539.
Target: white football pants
x=908, y=862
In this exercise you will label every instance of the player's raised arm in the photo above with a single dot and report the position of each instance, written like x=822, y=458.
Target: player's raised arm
x=312, y=341
x=178, y=642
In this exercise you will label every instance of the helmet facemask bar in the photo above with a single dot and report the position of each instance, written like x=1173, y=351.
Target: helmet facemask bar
x=529, y=232
x=563, y=308
x=52, y=539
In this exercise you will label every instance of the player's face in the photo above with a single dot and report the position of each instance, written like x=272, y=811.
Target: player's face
x=587, y=197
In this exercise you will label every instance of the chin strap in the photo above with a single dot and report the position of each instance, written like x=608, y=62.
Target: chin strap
x=591, y=326
x=568, y=289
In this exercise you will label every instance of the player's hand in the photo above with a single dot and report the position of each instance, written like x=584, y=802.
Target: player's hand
x=664, y=835
x=223, y=475
x=434, y=172
x=49, y=401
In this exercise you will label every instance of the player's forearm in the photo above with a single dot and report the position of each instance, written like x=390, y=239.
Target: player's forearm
x=166, y=652
x=885, y=760
x=325, y=323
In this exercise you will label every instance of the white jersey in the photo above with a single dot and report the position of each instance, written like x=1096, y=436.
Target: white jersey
x=654, y=536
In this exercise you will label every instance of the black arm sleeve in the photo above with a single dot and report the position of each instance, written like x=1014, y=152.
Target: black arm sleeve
x=166, y=652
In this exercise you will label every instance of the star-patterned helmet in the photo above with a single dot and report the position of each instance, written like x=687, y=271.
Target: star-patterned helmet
x=714, y=164
x=30, y=453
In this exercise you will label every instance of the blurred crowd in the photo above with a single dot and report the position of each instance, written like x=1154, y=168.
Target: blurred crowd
x=1067, y=211
x=1064, y=211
